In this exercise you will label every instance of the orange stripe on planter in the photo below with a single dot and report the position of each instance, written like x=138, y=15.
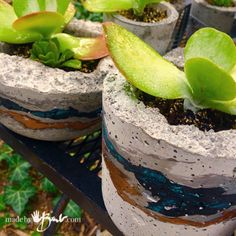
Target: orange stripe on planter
x=125, y=190
x=31, y=123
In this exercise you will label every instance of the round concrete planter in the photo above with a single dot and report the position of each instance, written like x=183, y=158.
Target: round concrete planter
x=221, y=18
x=160, y=179
x=158, y=35
x=50, y=104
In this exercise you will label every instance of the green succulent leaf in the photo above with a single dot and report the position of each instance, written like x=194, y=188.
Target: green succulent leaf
x=25, y=7
x=107, y=5
x=156, y=76
x=139, y=5
x=44, y=23
x=49, y=53
x=213, y=45
x=9, y=34
x=83, y=48
x=209, y=82
x=73, y=63
x=70, y=12
x=113, y=6
x=224, y=106
x=17, y=196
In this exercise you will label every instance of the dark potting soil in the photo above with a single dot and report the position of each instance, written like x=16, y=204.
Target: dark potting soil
x=174, y=112
x=150, y=15
x=23, y=50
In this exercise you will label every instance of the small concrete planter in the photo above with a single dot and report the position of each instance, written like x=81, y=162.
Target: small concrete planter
x=50, y=104
x=158, y=35
x=205, y=14
x=160, y=179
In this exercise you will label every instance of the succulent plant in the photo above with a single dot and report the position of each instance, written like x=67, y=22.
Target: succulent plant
x=208, y=79
x=117, y=5
x=48, y=52
x=41, y=22
x=27, y=21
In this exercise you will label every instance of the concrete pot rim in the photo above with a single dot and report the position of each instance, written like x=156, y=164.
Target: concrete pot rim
x=43, y=86
x=189, y=138
x=223, y=9
x=174, y=15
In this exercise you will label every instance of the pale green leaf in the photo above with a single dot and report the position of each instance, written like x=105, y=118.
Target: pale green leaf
x=213, y=45
x=139, y=5
x=18, y=196
x=9, y=34
x=83, y=48
x=142, y=66
x=75, y=64
x=70, y=12
x=209, y=82
x=224, y=106
x=25, y=7
x=44, y=23
x=107, y=5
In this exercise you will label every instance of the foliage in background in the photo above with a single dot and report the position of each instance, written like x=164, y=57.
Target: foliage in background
x=22, y=186
x=82, y=13
x=222, y=3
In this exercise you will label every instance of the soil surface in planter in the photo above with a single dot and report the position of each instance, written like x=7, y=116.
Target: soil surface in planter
x=174, y=112
x=24, y=51
x=150, y=15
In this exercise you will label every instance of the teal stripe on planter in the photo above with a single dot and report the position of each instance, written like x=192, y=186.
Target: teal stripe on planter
x=55, y=114
x=175, y=200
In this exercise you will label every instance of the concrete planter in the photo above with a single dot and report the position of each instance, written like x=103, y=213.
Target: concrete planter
x=50, y=104
x=158, y=35
x=164, y=180
x=221, y=18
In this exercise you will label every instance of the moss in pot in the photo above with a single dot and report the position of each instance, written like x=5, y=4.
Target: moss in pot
x=213, y=13
x=153, y=21
x=38, y=99
x=169, y=179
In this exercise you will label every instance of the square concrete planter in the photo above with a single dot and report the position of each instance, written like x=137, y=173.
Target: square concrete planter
x=51, y=104
x=205, y=14
x=160, y=179
x=158, y=35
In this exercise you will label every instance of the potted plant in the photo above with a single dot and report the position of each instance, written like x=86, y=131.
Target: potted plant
x=153, y=21
x=214, y=13
x=169, y=136
x=50, y=82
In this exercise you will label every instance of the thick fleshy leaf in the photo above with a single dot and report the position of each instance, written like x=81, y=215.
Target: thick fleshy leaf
x=139, y=5
x=213, y=45
x=44, y=23
x=209, y=82
x=83, y=48
x=75, y=64
x=107, y=5
x=70, y=12
x=224, y=106
x=142, y=66
x=7, y=33
x=25, y=7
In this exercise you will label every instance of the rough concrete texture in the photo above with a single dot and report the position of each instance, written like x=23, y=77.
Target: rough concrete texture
x=181, y=4
x=181, y=158
x=176, y=56
x=221, y=18
x=158, y=35
x=36, y=87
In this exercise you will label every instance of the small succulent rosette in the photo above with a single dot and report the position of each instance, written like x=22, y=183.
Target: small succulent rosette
x=47, y=89
x=163, y=179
